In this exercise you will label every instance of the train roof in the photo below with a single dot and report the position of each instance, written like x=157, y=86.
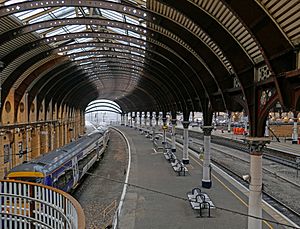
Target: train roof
x=52, y=160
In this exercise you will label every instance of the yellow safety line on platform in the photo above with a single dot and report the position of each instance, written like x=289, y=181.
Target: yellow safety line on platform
x=236, y=195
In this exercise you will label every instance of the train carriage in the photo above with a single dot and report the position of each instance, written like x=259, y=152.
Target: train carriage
x=65, y=166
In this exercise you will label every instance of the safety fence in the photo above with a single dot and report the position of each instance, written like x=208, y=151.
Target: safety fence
x=31, y=205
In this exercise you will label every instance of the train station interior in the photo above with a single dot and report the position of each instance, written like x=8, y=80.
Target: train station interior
x=182, y=73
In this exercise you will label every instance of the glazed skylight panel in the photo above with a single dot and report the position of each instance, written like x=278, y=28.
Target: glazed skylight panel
x=27, y=14
x=190, y=25
x=109, y=14
x=223, y=15
x=286, y=14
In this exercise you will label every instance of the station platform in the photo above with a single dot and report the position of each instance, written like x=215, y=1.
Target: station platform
x=168, y=207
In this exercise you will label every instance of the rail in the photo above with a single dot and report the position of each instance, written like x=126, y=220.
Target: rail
x=31, y=205
x=111, y=207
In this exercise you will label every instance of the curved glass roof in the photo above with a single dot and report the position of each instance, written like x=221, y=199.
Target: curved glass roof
x=89, y=54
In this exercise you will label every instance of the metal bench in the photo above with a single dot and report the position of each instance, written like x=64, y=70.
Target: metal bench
x=180, y=168
x=200, y=200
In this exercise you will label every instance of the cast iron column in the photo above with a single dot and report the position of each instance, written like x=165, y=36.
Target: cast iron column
x=267, y=128
x=295, y=130
x=164, y=119
x=150, y=119
x=140, y=119
x=131, y=119
x=145, y=119
x=229, y=122
x=126, y=119
x=185, y=158
x=173, y=135
x=122, y=119
x=206, y=180
x=255, y=187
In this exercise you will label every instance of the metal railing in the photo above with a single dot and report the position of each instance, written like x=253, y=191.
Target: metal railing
x=31, y=205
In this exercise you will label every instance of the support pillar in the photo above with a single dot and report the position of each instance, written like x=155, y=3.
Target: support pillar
x=28, y=143
x=185, y=156
x=255, y=187
x=126, y=119
x=173, y=135
x=267, y=128
x=206, y=180
x=131, y=119
x=295, y=130
x=229, y=122
x=140, y=119
x=150, y=119
x=164, y=130
x=52, y=131
x=145, y=119
x=122, y=119
x=135, y=120
x=245, y=124
x=57, y=143
x=156, y=120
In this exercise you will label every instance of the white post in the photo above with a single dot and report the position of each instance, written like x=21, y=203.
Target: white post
x=140, y=119
x=246, y=124
x=126, y=119
x=295, y=130
x=145, y=119
x=150, y=120
x=185, y=158
x=206, y=180
x=156, y=121
x=267, y=128
x=255, y=187
x=164, y=130
x=229, y=123
x=173, y=135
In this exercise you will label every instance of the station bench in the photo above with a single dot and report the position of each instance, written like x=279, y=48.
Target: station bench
x=200, y=201
x=180, y=168
x=176, y=164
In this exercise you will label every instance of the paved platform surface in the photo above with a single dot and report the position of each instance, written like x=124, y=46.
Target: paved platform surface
x=146, y=209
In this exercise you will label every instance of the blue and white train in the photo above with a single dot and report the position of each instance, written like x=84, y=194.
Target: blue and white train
x=64, y=167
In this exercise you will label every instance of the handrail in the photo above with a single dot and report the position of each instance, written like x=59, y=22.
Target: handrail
x=28, y=205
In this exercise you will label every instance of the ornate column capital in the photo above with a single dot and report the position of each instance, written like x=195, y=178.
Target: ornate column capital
x=185, y=124
x=256, y=144
x=207, y=130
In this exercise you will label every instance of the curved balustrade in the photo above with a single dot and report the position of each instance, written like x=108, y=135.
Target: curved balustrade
x=30, y=205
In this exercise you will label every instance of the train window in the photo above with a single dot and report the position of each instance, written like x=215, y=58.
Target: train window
x=30, y=179
x=62, y=181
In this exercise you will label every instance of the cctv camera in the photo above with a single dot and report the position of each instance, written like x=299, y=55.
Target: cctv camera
x=246, y=177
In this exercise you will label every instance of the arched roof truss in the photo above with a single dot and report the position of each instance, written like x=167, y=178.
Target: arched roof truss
x=152, y=54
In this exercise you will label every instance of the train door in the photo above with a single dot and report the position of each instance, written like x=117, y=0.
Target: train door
x=75, y=170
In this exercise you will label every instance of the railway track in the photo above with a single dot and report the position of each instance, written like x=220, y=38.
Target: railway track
x=282, y=158
x=267, y=196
